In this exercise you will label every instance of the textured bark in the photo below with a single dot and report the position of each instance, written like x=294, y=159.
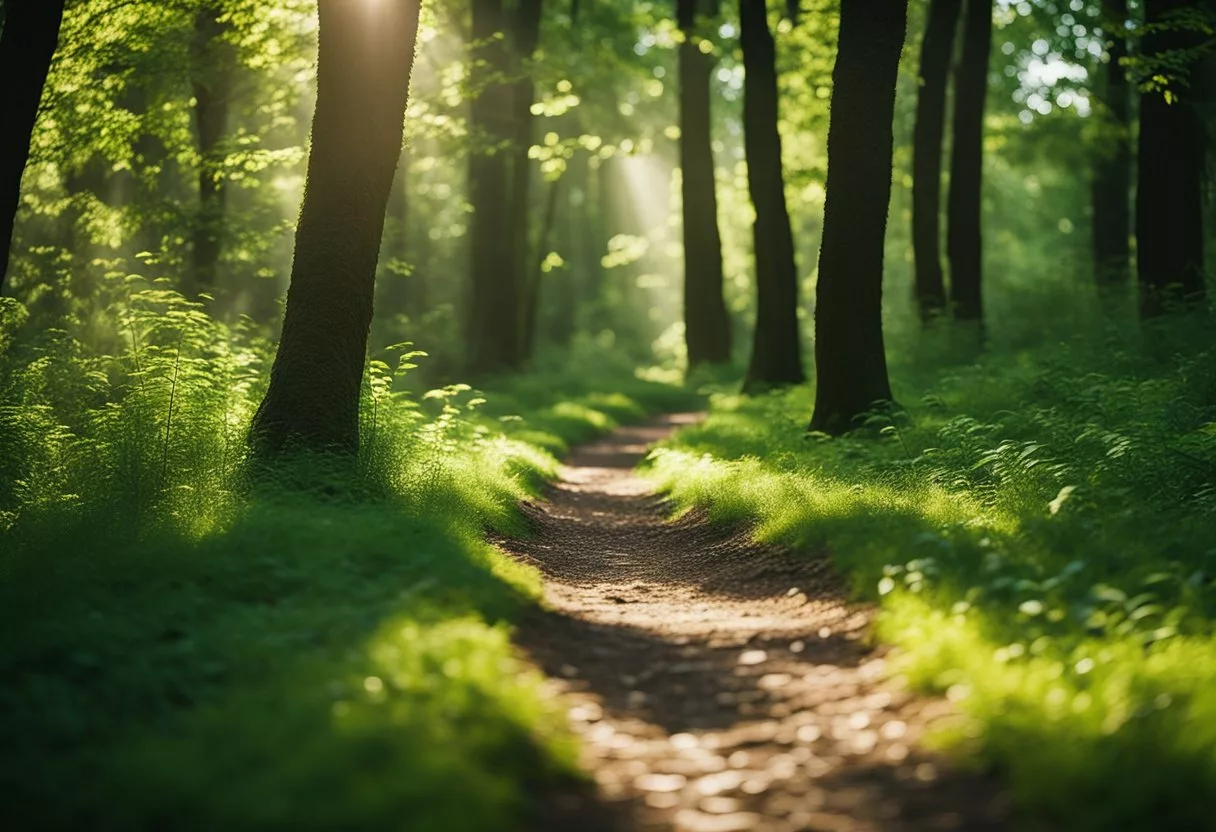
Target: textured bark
x=963, y=235
x=1112, y=167
x=706, y=322
x=363, y=71
x=936, y=50
x=850, y=361
x=27, y=45
x=776, y=346
x=1169, y=193
x=214, y=65
x=495, y=293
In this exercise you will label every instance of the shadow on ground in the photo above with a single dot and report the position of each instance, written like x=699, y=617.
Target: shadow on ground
x=719, y=684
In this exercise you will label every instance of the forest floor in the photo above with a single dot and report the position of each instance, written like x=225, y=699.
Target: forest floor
x=719, y=684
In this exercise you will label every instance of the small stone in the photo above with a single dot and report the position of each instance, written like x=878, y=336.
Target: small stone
x=682, y=742
x=809, y=733
x=751, y=657
x=660, y=782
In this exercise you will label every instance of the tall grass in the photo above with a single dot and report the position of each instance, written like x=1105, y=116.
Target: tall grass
x=189, y=646
x=1039, y=531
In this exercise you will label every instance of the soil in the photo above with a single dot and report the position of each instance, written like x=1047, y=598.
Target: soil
x=719, y=684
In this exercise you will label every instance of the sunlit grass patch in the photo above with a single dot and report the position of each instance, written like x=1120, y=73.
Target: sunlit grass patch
x=1037, y=533
x=193, y=643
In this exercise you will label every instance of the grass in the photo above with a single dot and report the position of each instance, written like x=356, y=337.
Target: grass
x=1039, y=532
x=185, y=647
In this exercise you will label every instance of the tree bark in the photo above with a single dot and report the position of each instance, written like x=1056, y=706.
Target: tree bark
x=534, y=269
x=495, y=293
x=850, y=360
x=963, y=236
x=1169, y=193
x=525, y=41
x=936, y=50
x=706, y=322
x=363, y=70
x=776, y=344
x=1112, y=166
x=27, y=46
x=214, y=64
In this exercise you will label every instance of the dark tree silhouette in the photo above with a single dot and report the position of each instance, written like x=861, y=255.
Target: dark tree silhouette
x=495, y=294
x=776, y=349
x=850, y=361
x=363, y=74
x=214, y=65
x=706, y=322
x=937, y=47
x=27, y=45
x=525, y=40
x=1169, y=192
x=1112, y=167
x=963, y=233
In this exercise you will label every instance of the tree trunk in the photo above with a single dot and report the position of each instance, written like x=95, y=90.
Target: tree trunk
x=27, y=45
x=526, y=39
x=363, y=71
x=1112, y=165
x=850, y=361
x=776, y=346
x=963, y=243
x=706, y=322
x=495, y=295
x=214, y=64
x=936, y=50
x=1169, y=193
x=534, y=269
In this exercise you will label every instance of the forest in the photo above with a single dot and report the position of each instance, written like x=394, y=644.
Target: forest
x=607, y=415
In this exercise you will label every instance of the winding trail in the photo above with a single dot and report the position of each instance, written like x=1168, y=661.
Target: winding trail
x=720, y=685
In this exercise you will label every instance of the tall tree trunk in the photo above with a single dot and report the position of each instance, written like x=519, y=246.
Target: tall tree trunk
x=495, y=294
x=214, y=65
x=850, y=361
x=963, y=235
x=706, y=322
x=363, y=74
x=776, y=346
x=525, y=41
x=1112, y=165
x=27, y=45
x=1169, y=193
x=534, y=269
x=936, y=50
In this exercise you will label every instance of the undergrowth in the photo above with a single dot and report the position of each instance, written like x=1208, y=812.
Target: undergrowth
x=188, y=647
x=1039, y=530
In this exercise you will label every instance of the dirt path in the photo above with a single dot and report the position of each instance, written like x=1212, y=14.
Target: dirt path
x=720, y=685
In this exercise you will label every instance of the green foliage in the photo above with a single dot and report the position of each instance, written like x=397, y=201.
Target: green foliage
x=191, y=646
x=1038, y=532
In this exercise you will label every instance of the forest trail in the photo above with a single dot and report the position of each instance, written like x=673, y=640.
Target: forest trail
x=718, y=684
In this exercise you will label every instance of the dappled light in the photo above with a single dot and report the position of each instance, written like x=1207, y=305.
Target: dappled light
x=538, y=416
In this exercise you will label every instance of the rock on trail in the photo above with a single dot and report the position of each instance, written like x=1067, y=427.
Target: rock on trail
x=719, y=684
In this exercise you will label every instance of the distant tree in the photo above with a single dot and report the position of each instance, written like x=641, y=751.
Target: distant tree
x=1112, y=166
x=776, y=346
x=27, y=46
x=495, y=294
x=1169, y=192
x=963, y=233
x=212, y=75
x=850, y=361
x=363, y=74
x=706, y=322
x=937, y=48
x=525, y=38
